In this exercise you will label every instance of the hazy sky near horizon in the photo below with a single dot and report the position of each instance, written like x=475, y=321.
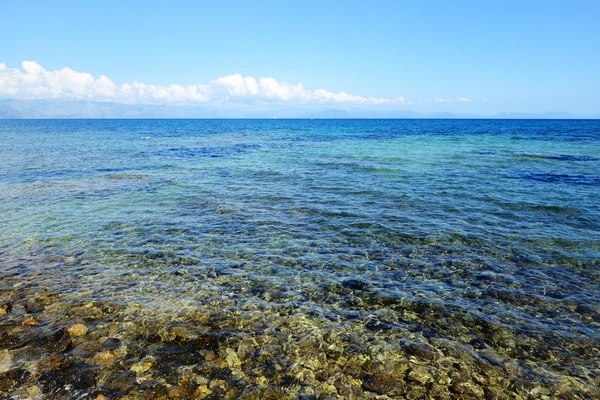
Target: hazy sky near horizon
x=460, y=56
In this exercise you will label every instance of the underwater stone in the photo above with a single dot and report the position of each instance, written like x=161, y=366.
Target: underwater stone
x=84, y=378
x=120, y=382
x=478, y=344
x=5, y=308
x=31, y=322
x=355, y=284
x=54, y=381
x=104, y=357
x=5, y=360
x=420, y=374
x=32, y=307
x=384, y=384
x=13, y=378
x=58, y=341
x=468, y=388
x=420, y=350
x=111, y=344
x=143, y=365
x=233, y=360
x=78, y=330
x=53, y=361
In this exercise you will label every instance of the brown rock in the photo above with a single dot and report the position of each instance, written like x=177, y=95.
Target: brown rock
x=78, y=330
x=419, y=374
x=53, y=361
x=383, y=384
x=104, y=357
x=13, y=378
x=31, y=322
x=5, y=309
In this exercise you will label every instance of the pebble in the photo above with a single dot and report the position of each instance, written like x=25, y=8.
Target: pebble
x=421, y=350
x=5, y=309
x=420, y=374
x=53, y=361
x=143, y=365
x=103, y=357
x=13, y=378
x=78, y=330
x=31, y=322
x=111, y=344
x=202, y=392
x=355, y=284
x=383, y=384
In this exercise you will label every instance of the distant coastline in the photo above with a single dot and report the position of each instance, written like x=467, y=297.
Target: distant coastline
x=72, y=109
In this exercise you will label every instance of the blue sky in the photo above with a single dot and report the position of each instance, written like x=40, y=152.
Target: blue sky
x=479, y=57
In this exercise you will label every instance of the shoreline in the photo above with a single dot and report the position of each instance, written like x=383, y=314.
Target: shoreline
x=246, y=348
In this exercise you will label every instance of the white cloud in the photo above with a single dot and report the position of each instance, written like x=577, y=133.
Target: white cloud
x=457, y=100
x=236, y=85
x=32, y=81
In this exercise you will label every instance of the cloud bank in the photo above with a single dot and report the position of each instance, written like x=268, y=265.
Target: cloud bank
x=32, y=81
x=457, y=100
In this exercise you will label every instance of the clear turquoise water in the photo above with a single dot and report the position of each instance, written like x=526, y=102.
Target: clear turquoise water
x=480, y=220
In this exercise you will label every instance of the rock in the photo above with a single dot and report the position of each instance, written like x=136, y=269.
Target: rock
x=266, y=393
x=5, y=360
x=8, y=341
x=143, y=365
x=58, y=341
x=184, y=390
x=383, y=384
x=34, y=392
x=85, y=378
x=468, y=388
x=232, y=359
x=78, y=330
x=31, y=322
x=5, y=308
x=13, y=378
x=421, y=350
x=34, y=306
x=202, y=392
x=478, y=344
x=495, y=393
x=104, y=357
x=420, y=374
x=111, y=344
x=416, y=393
x=120, y=382
x=53, y=382
x=53, y=361
x=355, y=284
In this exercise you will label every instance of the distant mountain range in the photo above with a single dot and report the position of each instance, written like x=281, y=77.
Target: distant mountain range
x=39, y=109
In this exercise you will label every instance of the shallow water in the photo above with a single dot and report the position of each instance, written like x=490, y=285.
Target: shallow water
x=461, y=248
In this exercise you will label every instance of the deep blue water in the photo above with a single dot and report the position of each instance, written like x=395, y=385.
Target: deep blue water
x=489, y=220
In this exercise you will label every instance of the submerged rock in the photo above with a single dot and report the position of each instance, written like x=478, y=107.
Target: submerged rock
x=384, y=384
x=355, y=284
x=13, y=378
x=54, y=361
x=111, y=344
x=58, y=341
x=143, y=365
x=420, y=374
x=104, y=357
x=5, y=308
x=420, y=350
x=31, y=322
x=78, y=330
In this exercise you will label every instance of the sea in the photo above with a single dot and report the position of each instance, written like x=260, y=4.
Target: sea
x=300, y=259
